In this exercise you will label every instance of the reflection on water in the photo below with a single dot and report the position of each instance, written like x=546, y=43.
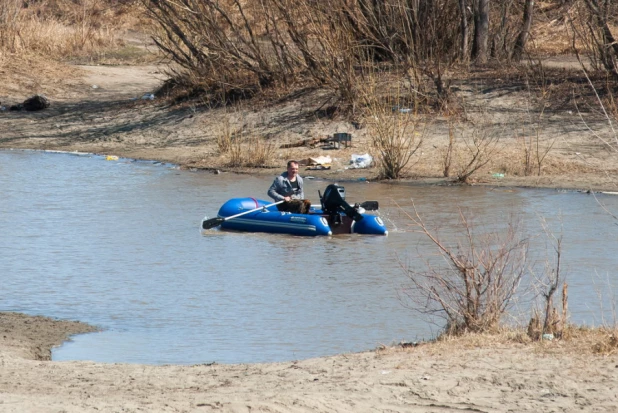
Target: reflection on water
x=117, y=244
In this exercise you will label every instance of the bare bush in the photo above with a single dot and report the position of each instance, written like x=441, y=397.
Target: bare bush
x=608, y=137
x=260, y=151
x=235, y=44
x=591, y=25
x=475, y=279
x=226, y=137
x=219, y=42
x=609, y=110
x=600, y=13
x=395, y=128
x=548, y=323
x=448, y=152
x=477, y=144
x=322, y=32
x=548, y=320
x=249, y=151
x=535, y=149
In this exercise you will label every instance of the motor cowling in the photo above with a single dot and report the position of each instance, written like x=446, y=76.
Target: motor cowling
x=333, y=202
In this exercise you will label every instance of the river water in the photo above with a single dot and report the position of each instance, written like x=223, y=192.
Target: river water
x=117, y=244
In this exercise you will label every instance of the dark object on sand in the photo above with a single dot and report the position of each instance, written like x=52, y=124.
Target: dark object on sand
x=36, y=102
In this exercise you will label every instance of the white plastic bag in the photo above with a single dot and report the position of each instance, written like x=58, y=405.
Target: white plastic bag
x=360, y=161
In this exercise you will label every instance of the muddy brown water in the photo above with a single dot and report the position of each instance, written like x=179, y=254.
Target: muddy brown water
x=116, y=243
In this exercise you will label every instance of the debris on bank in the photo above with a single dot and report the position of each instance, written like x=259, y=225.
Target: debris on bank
x=34, y=103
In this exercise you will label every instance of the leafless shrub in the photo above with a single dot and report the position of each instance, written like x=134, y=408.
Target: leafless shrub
x=260, y=151
x=396, y=130
x=323, y=33
x=448, y=152
x=608, y=137
x=478, y=144
x=243, y=45
x=332, y=43
x=609, y=110
x=535, y=149
x=549, y=320
x=250, y=151
x=476, y=279
x=219, y=42
x=527, y=145
x=591, y=25
x=236, y=152
x=226, y=137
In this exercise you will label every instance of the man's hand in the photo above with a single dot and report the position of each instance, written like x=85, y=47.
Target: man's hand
x=287, y=198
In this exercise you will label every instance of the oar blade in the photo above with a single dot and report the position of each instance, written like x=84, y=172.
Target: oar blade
x=212, y=222
x=370, y=205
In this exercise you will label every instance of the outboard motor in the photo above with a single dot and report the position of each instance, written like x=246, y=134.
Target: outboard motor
x=333, y=202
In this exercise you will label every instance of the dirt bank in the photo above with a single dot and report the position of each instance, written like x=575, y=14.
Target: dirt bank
x=101, y=109
x=481, y=374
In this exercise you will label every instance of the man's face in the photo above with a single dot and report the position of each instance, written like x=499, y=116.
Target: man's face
x=292, y=170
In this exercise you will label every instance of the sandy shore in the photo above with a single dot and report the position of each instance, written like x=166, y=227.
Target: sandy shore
x=477, y=374
x=99, y=109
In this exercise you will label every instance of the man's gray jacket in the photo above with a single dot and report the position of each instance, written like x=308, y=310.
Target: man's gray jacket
x=283, y=187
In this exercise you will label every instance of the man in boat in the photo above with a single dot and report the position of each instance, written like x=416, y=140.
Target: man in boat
x=288, y=187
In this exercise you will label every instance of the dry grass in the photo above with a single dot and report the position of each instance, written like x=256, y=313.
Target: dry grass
x=225, y=136
x=242, y=149
x=601, y=341
x=38, y=43
x=550, y=33
x=238, y=144
x=27, y=74
x=250, y=151
x=84, y=30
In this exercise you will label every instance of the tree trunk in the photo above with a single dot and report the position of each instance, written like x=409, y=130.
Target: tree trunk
x=481, y=31
x=498, y=47
x=609, y=48
x=520, y=44
x=464, y=30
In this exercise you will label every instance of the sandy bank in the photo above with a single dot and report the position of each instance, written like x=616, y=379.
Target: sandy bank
x=463, y=375
x=102, y=112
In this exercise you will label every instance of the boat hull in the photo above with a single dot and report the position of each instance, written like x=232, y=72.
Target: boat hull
x=269, y=219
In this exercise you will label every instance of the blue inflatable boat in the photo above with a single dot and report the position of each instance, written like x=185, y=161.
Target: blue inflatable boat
x=333, y=217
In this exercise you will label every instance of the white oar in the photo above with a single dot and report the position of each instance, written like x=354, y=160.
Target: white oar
x=215, y=222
